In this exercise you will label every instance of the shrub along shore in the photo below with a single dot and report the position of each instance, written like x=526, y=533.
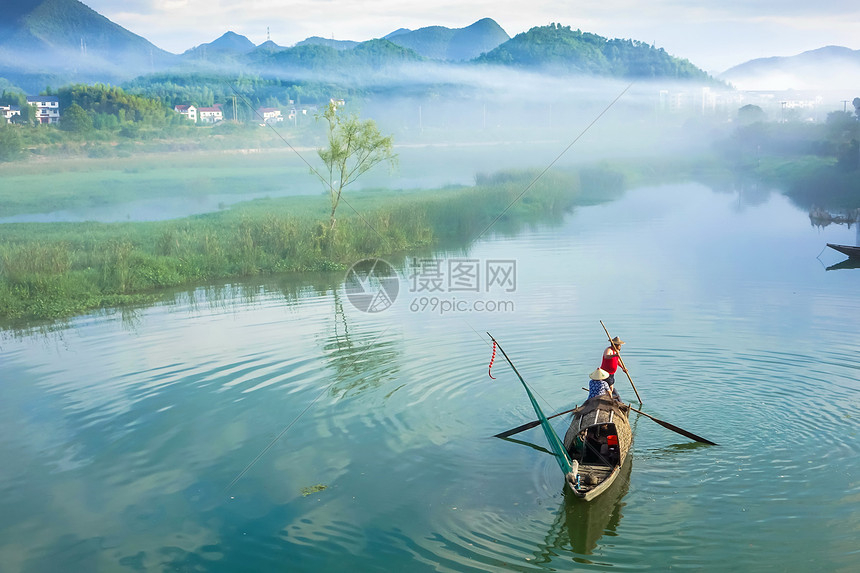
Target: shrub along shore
x=57, y=270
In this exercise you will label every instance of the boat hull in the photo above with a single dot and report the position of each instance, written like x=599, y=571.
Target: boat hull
x=598, y=442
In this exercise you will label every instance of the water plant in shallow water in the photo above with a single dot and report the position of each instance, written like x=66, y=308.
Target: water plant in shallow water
x=306, y=491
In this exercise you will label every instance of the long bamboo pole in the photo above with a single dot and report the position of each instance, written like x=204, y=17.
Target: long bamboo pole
x=622, y=362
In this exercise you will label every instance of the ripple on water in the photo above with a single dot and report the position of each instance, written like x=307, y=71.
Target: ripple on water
x=138, y=423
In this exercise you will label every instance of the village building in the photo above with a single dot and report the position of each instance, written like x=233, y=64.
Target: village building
x=211, y=114
x=47, y=108
x=270, y=115
x=9, y=111
x=188, y=111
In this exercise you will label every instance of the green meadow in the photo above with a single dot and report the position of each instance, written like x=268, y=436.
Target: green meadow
x=61, y=184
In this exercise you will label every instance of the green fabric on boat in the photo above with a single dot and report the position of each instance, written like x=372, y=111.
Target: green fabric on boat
x=555, y=442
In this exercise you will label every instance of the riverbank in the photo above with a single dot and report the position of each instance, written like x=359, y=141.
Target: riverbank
x=57, y=270
x=813, y=183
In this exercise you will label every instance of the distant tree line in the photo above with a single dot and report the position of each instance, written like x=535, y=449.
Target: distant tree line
x=251, y=91
x=144, y=108
x=837, y=138
x=817, y=164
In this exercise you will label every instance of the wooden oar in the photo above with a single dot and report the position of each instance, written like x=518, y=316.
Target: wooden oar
x=622, y=362
x=676, y=429
x=530, y=425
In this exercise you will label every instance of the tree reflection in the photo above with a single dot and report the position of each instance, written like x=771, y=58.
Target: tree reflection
x=362, y=360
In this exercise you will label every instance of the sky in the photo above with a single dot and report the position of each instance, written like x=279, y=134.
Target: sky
x=712, y=35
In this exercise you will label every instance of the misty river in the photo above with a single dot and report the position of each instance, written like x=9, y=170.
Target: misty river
x=274, y=426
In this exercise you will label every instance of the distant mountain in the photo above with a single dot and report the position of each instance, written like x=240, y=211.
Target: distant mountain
x=58, y=42
x=67, y=40
x=456, y=45
x=396, y=32
x=827, y=68
x=230, y=44
x=557, y=48
x=336, y=44
x=269, y=46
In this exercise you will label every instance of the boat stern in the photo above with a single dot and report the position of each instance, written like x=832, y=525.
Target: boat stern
x=572, y=477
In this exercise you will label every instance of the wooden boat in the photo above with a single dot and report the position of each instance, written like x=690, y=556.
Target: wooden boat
x=586, y=523
x=597, y=443
x=853, y=252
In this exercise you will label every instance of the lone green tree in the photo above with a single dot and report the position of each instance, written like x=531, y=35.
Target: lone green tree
x=354, y=147
x=76, y=119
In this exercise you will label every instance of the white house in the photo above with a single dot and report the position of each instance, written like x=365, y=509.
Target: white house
x=270, y=115
x=211, y=114
x=9, y=111
x=47, y=108
x=188, y=111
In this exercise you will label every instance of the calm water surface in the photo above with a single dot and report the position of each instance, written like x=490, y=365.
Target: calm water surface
x=360, y=442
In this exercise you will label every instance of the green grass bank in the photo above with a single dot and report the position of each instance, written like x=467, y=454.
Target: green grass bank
x=57, y=270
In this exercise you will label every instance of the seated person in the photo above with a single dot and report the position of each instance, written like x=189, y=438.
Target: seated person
x=597, y=385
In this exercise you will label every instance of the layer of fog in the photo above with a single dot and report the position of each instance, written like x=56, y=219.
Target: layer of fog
x=452, y=123
x=431, y=104
x=829, y=69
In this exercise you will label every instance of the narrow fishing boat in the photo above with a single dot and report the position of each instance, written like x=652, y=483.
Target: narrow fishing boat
x=597, y=443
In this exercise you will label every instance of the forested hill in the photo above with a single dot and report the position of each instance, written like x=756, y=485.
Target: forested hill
x=560, y=49
x=63, y=35
x=458, y=44
x=61, y=42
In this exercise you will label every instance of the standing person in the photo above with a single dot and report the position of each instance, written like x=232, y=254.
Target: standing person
x=610, y=362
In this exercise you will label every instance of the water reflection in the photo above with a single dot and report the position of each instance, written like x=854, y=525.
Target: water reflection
x=580, y=525
x=846, y=264
x=587, y=522
x=121, y=431
x=362, y=360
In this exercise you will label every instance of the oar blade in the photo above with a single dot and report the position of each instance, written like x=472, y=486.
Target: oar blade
x=530, y=425
x=676, y=429
x=518, y=429
x=683, y=432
